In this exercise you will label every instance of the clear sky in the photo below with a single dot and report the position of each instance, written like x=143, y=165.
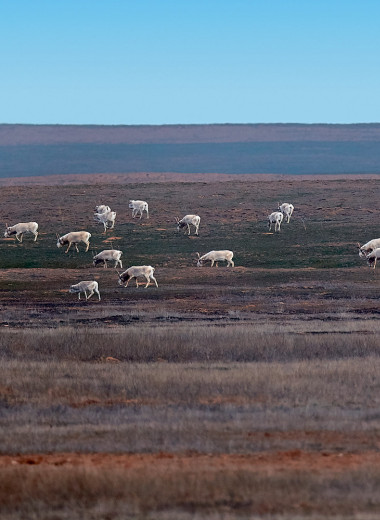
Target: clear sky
x=189, y=61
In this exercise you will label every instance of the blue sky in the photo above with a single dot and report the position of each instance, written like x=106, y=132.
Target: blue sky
x=198, y=61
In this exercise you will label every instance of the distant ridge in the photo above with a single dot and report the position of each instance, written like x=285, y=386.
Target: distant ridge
x=35, y=150
x=226, y=133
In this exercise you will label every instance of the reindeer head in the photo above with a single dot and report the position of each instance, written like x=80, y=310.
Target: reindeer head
x=121, y=279
x=8, y=231
x=362, y=253
x=179, y=223
x=199, y=261
x=60, y=242
x=97, y=261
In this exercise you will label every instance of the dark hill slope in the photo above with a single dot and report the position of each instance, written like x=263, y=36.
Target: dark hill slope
x=29, y=150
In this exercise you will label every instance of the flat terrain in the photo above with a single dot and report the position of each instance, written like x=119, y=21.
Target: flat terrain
x=250, y=392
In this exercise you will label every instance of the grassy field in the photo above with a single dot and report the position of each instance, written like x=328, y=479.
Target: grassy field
x=225, y=393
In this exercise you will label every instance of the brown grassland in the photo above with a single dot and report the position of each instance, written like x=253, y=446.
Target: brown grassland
x=250, y=392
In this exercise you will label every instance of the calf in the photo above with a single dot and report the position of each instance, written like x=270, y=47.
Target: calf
x=106, y=218
x=138, y=206
x=275, y=218
x=102, y=209
x=287, y=210
x=83, y=287
x=372, y=257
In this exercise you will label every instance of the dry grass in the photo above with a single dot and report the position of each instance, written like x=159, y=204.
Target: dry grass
x=181, y=342
x=124, y=493
x=212, y=407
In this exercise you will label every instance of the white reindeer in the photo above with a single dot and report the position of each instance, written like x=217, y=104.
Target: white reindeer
x=368, y=247
x=20, y=229
x=75, y=237
x=275, y=218
x=287, y=210
x=108, y=255
x=188, y=220
x=138, y=206
x=215, y=257
x=102, y=209
x=83, y=287
x=372, y=257
x=106, y=218
x=146, y=271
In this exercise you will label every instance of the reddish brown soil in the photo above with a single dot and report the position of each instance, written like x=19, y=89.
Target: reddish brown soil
x=275, y=462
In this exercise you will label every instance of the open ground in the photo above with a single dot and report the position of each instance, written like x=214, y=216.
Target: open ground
x=223, y=393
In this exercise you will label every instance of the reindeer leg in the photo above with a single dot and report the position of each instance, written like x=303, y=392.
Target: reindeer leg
x=88, y=245
x=155, y=281
x=76, y=248
x=147, y=281
x=35, y=236
x=188, y=227
x=67, y=250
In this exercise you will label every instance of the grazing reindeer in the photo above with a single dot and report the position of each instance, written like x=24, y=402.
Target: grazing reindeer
x=83, y=287
x=215, y=257
x=275, y=218
x=20, y=229
x=372, y=257
x=146, y=271
x=368, y=247
x=75, y=237
x=188, y=220
x=108, y=255
x=102, y=209
x=107, y=218
x=138, y=206
x=287, y=210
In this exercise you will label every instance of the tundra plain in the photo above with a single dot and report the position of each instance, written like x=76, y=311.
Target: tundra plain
x=250, y=392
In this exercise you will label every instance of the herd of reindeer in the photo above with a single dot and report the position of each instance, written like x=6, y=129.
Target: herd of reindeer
x=104, y=215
